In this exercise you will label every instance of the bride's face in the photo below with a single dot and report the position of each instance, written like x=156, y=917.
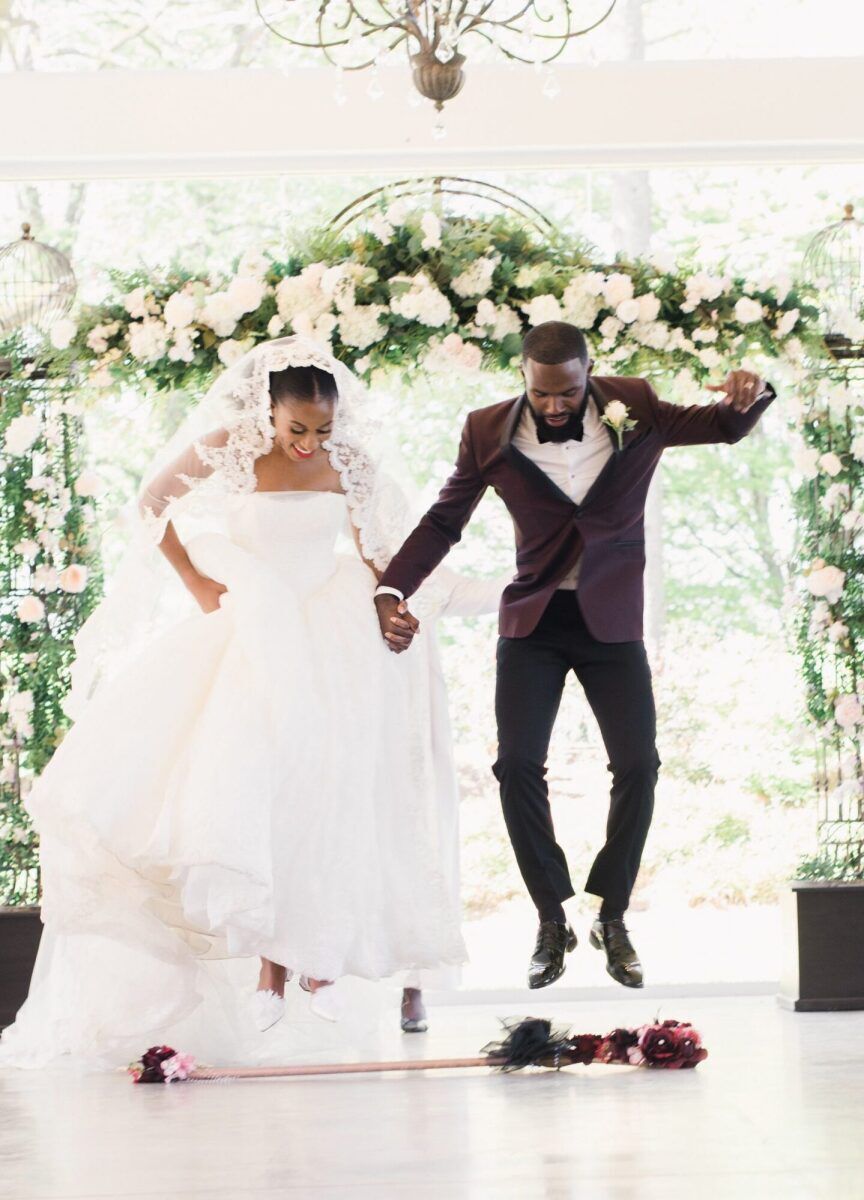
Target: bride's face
x=301, y=426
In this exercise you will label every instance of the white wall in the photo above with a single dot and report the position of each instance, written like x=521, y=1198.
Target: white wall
x=183, y=123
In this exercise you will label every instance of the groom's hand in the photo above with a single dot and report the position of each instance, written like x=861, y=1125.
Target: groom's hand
x=398, y=625
x=742, y=389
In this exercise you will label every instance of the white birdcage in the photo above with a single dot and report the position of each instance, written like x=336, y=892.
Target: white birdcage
x=834, y=264
x=37, y=284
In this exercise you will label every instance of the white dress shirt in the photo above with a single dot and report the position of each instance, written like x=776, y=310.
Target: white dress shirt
x=572, y=466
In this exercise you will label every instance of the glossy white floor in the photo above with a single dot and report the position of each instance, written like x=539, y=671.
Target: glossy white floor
x=776, y=1113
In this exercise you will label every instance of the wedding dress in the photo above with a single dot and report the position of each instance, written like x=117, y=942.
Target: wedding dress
x=264, y=780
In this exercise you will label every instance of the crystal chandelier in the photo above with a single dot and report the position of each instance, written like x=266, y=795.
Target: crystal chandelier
x=355, y=34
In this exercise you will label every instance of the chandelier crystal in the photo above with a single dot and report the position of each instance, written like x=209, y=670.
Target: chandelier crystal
x=355, y=34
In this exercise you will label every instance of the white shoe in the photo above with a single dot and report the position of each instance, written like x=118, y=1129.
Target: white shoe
x=324, y=1002
x=267, y=1009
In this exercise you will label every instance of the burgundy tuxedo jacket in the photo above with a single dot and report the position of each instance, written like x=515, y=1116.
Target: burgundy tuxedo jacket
x=606, y=529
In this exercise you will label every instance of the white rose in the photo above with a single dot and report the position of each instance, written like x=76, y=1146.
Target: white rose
x=857, y=447
x=244, y=295
x=182, y=348
x=826, y=581
x=45, y=578
x=253, y=264
x=21, y=432
x=705, y=334
x=62, y=333
x=476, y=280
x=830, y=463
x=610, y=327
x=430, y=227
x=31, y=609
x=709, y=358
x=230, y=352
x=89, y=483
x=848, y=712
x=787, y=323
x=74, y=578
x=806, y=461
x=748, y=310
x=616, y=412
x=654, y=334
x=179, y=310
x=275, y=326
x=148, y=341
x=27, y=549
x=627, y=311
x=700, y=288
x=837, y=632
x=218, y=313
x=96, y=339
x=542, y=309
x=138, y=304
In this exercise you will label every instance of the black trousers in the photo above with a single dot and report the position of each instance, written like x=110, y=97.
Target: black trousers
x=616, y=678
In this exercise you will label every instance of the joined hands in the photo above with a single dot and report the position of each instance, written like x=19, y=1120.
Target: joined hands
x=398, y=625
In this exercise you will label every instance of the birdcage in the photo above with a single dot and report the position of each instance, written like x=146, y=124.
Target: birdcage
x=834, y=263
x=37, y=284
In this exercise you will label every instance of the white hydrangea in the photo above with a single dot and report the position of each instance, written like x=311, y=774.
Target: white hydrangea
x=498, y=321
x=148, y=340
x=179, y=310
x=649, y=306
x=705, y=334
x=62, y=333
x=627, y=311
x=303, y=293
x=422, y=302
x=218, y=314
x=320, y=330
x=21, y=432
x=140, y=304
x=430, y=227
x=709, y=358
x=476, y=280
x=361, y=326
x=617, y=288
x=253, y=264
x=610, y=327
x=702, y=288
x=452, y=352
x=244, y=294
x=230, y=352
x=182, y=348
x=542, y=309
x=748, y=310
x=527, y=276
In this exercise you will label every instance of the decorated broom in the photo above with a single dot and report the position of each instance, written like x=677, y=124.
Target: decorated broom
x=529, y=1042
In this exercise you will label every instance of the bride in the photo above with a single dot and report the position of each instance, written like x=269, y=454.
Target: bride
x=262, y=779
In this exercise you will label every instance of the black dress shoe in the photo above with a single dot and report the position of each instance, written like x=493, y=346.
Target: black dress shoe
x=547, y=961
x=622, y=961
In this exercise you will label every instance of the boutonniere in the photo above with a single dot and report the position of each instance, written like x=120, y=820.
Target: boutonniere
x=616, y=415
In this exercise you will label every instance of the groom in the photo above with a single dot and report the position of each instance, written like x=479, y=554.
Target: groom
x=572, y=459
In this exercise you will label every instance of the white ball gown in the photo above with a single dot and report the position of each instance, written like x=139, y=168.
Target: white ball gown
x=267, y=780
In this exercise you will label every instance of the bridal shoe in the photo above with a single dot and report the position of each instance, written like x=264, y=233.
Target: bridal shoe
x=323, y=1001
x=267, y=1008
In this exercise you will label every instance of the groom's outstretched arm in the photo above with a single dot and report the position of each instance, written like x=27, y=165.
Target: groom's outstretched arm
x=441, y=528
x=744, y=399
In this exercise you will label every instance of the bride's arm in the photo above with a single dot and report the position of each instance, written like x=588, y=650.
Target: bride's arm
x=171, y=483
x=404, y=624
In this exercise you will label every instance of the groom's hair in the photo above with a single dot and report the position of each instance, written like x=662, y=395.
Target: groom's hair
x=302, y=383
x=555, y=342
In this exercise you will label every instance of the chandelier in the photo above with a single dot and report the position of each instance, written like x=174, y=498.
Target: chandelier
x=355, y=34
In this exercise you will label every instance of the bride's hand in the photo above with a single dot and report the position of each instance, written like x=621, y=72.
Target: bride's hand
x=207, y=592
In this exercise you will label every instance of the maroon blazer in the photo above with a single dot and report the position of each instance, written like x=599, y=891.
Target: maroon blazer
x=606, y=529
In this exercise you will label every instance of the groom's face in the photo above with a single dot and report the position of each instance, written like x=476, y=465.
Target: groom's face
x=555, y=391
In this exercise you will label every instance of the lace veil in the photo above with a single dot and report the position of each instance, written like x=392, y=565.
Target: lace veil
x=209, y=460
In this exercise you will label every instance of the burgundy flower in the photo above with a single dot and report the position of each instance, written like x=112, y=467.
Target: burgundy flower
x=670, y=1045
x=149, y=1068
x=582, y=1048
x=613, y=1048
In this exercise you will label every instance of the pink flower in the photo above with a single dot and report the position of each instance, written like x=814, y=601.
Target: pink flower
x=74, y=578
x=31, y=609
x=848, y=712
x=179, y=1067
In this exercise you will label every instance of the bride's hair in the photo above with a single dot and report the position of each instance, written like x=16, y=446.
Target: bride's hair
x=307, y=384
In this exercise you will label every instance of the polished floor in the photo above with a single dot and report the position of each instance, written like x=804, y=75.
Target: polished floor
x=776, y=1113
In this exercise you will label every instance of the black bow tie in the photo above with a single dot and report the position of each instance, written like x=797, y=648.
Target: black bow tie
x=571, y=431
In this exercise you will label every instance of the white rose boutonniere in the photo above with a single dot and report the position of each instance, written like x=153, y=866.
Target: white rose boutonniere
x=616, y=415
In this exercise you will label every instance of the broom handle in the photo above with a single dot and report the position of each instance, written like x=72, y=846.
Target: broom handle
x=426, y=1064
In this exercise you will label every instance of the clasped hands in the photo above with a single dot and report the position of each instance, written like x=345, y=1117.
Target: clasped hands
x=398, y=625
x=742, y=389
